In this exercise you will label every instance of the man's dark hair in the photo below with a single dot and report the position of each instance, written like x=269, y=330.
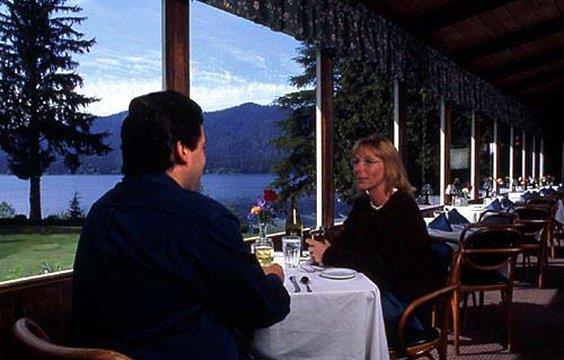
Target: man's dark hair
x=156, y=122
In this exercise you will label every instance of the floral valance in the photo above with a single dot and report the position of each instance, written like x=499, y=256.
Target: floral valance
x=351, y=29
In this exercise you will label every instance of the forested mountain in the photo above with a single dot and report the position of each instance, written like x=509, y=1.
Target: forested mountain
x=239, y=139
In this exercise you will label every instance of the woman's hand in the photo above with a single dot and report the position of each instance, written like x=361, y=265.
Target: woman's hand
x=317, y=249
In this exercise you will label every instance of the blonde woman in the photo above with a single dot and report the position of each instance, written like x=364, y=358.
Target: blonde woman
x=384, y=236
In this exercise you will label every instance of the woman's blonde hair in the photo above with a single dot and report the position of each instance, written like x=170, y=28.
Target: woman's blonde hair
x=395, y=174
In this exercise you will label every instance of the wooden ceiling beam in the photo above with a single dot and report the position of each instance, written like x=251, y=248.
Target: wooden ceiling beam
x=533, y=81
x=511, y=40
x=549, y=97
x=508, y=69
x=452, y=13
x=545, y=88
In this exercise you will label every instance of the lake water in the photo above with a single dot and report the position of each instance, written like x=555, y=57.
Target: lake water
x=58, y=190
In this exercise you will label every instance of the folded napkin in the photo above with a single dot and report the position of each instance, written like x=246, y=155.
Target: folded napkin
x=543, y=192
x=440, y=223
x=506, y=203
x=494, y=205
x=455, y=218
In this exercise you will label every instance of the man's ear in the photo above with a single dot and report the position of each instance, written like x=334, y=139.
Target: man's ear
x=182, y=154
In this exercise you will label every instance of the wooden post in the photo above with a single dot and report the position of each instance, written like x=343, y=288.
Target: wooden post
x=511, y=156
x=534, y=157
x=324, y=136
x=176, y=46
x=495, y=149
x=524, y=157
x=541, y=158
x=399, y=119
x=475, y=157
x=445, y=139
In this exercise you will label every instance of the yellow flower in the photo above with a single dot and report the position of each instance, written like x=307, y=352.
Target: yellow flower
x=256, y=210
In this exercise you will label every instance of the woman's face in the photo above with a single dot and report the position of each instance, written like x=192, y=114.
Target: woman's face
x=368, y=170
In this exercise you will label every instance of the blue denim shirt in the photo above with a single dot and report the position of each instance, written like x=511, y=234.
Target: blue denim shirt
x=162, y=272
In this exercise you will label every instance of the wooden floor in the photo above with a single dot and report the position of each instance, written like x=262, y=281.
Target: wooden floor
x=539, y=322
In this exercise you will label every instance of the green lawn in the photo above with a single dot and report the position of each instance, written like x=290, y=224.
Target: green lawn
x=26, y=251
x=33, y=253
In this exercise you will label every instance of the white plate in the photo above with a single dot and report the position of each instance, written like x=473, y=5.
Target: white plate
x=338, y=273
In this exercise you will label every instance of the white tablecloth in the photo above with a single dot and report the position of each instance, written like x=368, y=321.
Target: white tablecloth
x=470, y=212
x=340, y=319
x=559, y=215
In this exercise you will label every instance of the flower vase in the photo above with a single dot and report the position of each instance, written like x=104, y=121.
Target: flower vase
x=264, y=248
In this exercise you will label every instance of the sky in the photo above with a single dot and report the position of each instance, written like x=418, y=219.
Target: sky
x=232, y=60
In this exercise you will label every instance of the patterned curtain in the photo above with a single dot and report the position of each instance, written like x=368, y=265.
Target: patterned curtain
x=349, y=29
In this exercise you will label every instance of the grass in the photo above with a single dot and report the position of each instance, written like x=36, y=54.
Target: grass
x=32, y=253
x=26, y=251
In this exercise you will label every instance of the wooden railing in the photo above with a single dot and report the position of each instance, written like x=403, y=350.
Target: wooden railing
x=44, y=298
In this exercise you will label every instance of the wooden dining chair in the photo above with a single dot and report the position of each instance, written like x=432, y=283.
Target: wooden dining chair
x=485, y=250
x=414, y=343
x=550, y=204
x=534, y=222
x=498, y=217
x=38, y=345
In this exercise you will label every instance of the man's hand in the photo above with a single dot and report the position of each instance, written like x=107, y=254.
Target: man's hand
x=274, y=269
x=317, y=249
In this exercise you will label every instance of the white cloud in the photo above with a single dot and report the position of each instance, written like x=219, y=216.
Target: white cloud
x=213, y=90
x=115, y=94
x=213, y=98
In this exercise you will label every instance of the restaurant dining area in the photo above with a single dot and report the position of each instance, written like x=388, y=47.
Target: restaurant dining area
x=429, y=137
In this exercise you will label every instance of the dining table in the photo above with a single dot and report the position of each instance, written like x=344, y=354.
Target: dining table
x=332, y=320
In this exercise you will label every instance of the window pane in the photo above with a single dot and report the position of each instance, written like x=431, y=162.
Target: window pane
x=422, y=135
x=485, y=144
x=503, y=133
x=239, y=72
x=125, y=61
x=517, y=156
x=363, y=107
x=460, y=147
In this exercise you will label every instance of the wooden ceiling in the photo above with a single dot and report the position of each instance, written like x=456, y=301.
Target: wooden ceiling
x=516, y=45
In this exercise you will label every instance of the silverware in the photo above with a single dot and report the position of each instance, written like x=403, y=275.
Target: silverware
x=305, y=280
x=295, y=283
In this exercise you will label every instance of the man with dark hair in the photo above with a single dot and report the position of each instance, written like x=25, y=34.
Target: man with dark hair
x=161, y=271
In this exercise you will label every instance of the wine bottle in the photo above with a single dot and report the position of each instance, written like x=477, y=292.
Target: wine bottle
x=293, y=221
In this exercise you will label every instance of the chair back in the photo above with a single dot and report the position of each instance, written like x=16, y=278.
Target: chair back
x=533, y=212
x=497, y=217
x=489, y=247
x=548, y=200
x=442, y=297
x=38, y=344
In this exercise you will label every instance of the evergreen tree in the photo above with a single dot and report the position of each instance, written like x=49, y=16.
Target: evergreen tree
x=363, y=107
x=40, y=111
x=75, y=211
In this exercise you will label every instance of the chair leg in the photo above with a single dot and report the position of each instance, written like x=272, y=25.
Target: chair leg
x=465, y=309
x=509, y=307
x=442, y=348
x=456, y=322
x=542, y=259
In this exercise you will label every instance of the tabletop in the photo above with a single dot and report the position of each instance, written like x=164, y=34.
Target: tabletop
x=339, y=319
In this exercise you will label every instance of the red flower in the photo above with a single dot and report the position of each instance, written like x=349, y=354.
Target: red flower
x=270, y=195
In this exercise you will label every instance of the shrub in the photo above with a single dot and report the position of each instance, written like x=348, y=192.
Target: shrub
x=6, y=210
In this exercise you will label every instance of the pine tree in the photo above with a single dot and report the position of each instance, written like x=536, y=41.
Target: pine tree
x=40, y=111
x=75, y=211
